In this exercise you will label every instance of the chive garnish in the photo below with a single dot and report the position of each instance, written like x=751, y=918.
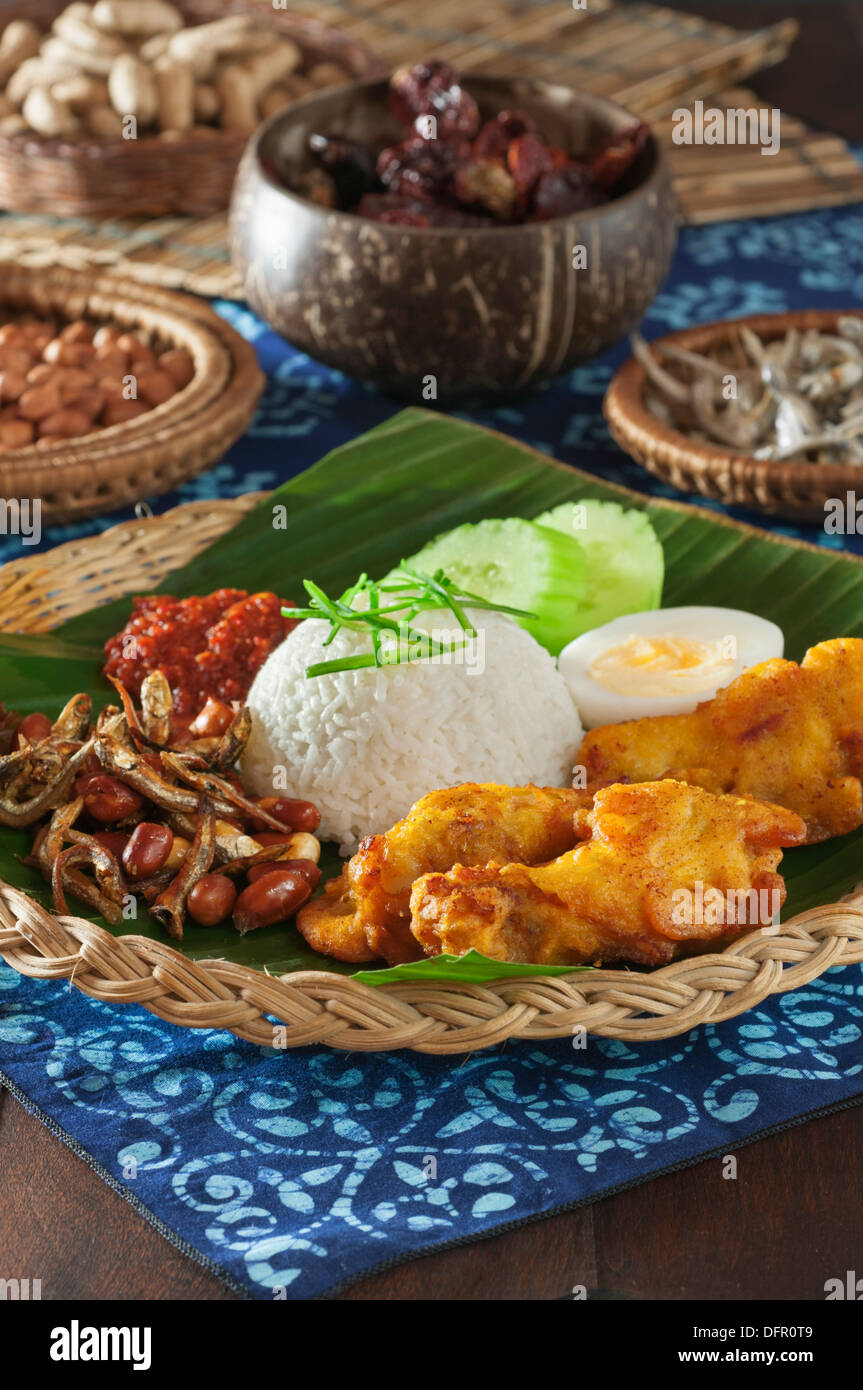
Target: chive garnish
x=411, y=592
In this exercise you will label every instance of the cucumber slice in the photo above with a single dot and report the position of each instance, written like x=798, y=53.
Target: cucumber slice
x=625, y=563
x=519, y=564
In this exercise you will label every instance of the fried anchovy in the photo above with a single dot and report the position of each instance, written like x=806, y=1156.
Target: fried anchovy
x=157, y=707
x=51, y=838
x=220, y=790
x=229, y=840
x=21, y=813
x=73, y=721
x=169, y=907
x=12, y=764
x=132, y=769
x=107, y=897
x=234, y=739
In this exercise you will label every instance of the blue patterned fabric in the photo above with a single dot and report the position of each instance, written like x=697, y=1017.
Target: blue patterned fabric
x=294, y=1172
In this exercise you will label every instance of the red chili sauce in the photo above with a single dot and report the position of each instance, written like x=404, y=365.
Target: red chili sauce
x=204, y=646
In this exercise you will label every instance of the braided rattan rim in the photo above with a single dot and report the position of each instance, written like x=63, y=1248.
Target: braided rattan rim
x=793, y=489
x=314, y=1006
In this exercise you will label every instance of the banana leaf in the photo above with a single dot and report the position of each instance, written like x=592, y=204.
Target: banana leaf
x=377, y=500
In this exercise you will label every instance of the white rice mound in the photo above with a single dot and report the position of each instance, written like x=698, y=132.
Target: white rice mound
x=364, y=745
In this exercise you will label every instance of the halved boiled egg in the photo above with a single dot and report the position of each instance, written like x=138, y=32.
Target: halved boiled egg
x=663, y=662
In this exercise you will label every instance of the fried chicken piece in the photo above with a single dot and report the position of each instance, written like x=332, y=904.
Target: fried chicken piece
x=783, y=733
x=365, y=913
x=666, y=870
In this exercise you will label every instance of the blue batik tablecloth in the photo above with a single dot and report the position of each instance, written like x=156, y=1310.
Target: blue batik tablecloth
x=294, y=1172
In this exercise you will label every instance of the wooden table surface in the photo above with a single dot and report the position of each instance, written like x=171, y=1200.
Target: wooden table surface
x=791, y=1219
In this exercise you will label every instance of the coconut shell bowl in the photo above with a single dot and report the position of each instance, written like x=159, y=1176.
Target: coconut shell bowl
x=482, y=312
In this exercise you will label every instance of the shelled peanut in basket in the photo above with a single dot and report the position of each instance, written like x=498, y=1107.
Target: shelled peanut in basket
x=131, y=68
x=58, y=384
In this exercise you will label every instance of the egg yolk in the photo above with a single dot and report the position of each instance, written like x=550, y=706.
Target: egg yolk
x=662, y=665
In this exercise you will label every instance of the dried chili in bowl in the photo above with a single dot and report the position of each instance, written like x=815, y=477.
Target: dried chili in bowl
x=449, y=170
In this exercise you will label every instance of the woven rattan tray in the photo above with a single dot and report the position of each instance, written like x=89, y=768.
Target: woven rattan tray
x=151, y=454
x=794, y=489
x=316, y=1006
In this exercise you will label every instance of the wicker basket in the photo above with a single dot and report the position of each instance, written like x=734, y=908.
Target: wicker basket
x=150, y=177
x=318, y=1007
x=151, y=454
x=794, y=489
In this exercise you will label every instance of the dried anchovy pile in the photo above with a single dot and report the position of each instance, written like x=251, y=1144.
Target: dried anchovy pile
x=798, y=397
x=53, y=782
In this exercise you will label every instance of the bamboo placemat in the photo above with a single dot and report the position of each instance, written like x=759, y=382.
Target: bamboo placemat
x=650, y=59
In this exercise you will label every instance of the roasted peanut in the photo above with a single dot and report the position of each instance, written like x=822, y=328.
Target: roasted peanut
x=296, y=815
x=36, y=72
x=211, y=900
x=114, y=841
x=119, y=412
x=327, y=75
x=213, y=719
x=71, y=380
x=107, y=799
x=148, y=849
x=305, y=867
x=91, y=401
x=79, y=331
x=14, y=357
x=20, y=40
x=43, y=371
x=15, y=434
x=12, y=385
x=47, y=116
x=105, y=122
x=74, y=26
x=67, y=423
x=175, y=85
x=155, y=387
x=33, y=728
x=111, y=361
x=39, y=401
x=179, y=366
x=60, y=53
x=272, y=899
x=206, y=102
x=140, y=17
x=106, y=335
x=68, y=354
x=132, y=89
x=179, y=849
x=153, y=48
x=238, y=98
x=135, y=350
x=269, y=67
x=276, y=99
x=82, y=93
x=13, y=125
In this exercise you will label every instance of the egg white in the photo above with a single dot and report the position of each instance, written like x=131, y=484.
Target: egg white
x=756, y=640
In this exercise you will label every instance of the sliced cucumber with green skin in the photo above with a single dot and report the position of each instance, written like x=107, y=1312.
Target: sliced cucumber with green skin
x=518, y=564
x=625, y=563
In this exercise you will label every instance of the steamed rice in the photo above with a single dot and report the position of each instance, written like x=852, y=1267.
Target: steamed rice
x=364, y=745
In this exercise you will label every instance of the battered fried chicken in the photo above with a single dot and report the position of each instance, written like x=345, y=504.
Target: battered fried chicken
x=783, y=733
x=365, y=913
x=667, y=870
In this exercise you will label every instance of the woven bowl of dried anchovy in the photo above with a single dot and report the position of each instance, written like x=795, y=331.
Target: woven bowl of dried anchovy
x=763, y=412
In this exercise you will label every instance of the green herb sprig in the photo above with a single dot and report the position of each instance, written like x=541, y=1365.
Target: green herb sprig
x=393, y=604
